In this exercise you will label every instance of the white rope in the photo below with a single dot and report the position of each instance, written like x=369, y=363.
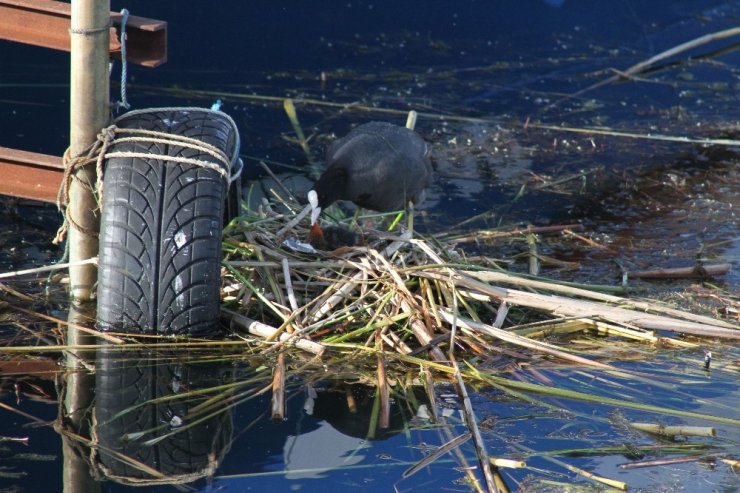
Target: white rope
x=159, y=139
x=228, y=166
x=174, y=159
x=237, y=144
x=233, y=164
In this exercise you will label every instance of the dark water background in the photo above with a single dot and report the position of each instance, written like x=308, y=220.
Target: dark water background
x=476, y=70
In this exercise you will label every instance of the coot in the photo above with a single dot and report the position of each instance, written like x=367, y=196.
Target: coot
x=378, y=166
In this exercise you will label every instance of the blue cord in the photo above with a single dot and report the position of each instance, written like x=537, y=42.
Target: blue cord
x=124, y=65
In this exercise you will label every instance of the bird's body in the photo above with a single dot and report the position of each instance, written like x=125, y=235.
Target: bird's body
x=378, y=166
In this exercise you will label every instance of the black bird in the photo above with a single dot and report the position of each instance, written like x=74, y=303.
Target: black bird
x=378, y=166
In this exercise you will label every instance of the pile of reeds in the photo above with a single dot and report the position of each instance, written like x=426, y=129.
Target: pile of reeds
x=399, y=300
x=400, y=291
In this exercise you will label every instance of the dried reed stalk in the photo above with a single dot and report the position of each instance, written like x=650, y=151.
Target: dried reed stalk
x=278, y=389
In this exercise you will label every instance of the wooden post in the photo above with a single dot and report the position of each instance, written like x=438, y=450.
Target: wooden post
x=89, y=113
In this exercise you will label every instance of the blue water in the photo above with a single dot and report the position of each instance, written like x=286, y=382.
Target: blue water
x=497, y=64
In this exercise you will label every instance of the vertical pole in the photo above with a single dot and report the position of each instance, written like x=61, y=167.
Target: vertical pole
x=77, y=390
x=89, y=110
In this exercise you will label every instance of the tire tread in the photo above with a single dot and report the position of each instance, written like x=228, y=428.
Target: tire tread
x=160, y=244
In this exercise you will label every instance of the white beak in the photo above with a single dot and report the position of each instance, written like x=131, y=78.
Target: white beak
x=313, y=200
x=315, y=215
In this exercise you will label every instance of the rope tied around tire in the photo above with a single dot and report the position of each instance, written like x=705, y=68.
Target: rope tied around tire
x=229, y=167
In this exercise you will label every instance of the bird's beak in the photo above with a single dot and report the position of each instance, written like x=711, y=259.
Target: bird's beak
x=313, y=200
x=315, y=215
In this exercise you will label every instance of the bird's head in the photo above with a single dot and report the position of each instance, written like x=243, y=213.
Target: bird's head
x=331, y=186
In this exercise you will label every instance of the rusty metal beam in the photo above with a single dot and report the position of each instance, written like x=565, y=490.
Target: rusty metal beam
x=46, y=23
x=17, y=367
x=30, y=175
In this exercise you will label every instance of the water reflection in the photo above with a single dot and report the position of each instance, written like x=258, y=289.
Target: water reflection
x=76, y=394
x=144, y=417
x=151, y=424
x=341, y=422
x=150, y=416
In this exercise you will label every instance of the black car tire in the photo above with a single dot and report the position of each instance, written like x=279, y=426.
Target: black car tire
x=160, y=233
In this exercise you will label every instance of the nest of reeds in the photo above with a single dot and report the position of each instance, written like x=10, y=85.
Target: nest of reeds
x=390, y=288
x=398, y=302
